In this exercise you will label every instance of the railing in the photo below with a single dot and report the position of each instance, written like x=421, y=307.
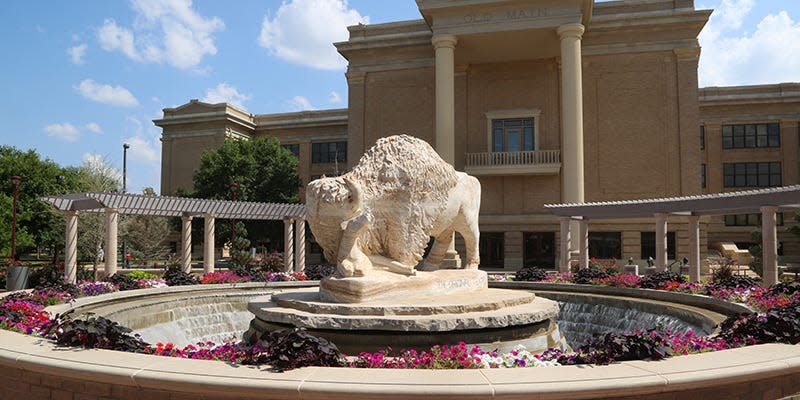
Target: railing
x=517, y=158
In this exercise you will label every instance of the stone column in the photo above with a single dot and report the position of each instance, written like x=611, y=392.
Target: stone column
x=769, y=245
x=71, y=247
x=300, y=246
x=110, y=246
x=572, y=181
x=694, y=248
x=186, y=243
x=583, y=243
x=661, y=241
x=357, y=109
x=688, y=114
x=564, y=244
x=208, y=242
x=288, y=245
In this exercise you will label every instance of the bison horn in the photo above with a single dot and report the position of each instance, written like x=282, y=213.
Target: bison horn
x=355, y=192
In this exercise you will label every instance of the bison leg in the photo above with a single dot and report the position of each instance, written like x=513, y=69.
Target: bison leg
x=471, y=240
x=436, y=255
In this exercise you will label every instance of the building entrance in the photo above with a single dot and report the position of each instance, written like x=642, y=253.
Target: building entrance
x=539, y=249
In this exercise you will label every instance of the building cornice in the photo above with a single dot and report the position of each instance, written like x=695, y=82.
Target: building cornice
x=302, y=119
x=752, y=94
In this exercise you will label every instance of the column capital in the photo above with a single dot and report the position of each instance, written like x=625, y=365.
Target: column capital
x=661, y=215
x=186, y=217
x=356, y=77
x=208, y=215
x=110, y=210
x=769, y=209
x=687, y=53
x=446, y=41
x=574, y=31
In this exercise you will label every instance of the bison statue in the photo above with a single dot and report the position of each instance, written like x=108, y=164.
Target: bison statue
x=383, y=213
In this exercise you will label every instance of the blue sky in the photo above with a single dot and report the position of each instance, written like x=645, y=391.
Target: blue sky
x=83, y=77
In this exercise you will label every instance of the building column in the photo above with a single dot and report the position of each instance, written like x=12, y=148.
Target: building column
x=71, y=247
x=769, y=246
x=186, y=243
x=208, y=242
x=583, y=243
x=110, y=246
x=564, y=244
x=300, y=246
x=288, y=245
x=661, y=241
x=356, y=109
x=444, y=48
x=572, y=181
x=694, y=248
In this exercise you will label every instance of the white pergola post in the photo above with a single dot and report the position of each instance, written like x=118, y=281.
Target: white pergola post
x=564, y=244
x=769, y=245
x=661, y=241
x=300, y=246
x=110, y=246
x=71, y=247
x=583, y=243
x=186, y=243
x=288, y=244
x=694, y=248
x=208, y=243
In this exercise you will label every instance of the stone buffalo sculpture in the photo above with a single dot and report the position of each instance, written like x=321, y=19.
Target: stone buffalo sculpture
x=383, y=212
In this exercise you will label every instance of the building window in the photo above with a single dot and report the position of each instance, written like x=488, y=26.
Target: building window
x=492, y=249
x=539, y=249
x=750, y=219
x=330, y=152
x=512, y=135
x=703, y=176
x=294, y=148
x=647, y=242
x=605, y=245
x=752, y=174
x=702, y=137
x=751, y=135
x=513, y=130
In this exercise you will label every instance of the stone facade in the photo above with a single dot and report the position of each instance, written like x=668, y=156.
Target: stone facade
x=450, y=77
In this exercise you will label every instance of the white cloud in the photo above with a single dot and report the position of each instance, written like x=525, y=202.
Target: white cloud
x=94, y=127
x=335, y=98
x=225, y=93
x=769, y=54
x=143, y=150
x=164, y=31
x=107, y=94
x=65, y=131
x=300, y=103
x=303, y=32
x=76, y=53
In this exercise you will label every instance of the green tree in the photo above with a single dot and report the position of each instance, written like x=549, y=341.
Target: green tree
x=94, y=175
x=38, y=225
x=264, y=172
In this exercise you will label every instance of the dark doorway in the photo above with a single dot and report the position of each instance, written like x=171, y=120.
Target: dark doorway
x=539, y=249
x=492, y=248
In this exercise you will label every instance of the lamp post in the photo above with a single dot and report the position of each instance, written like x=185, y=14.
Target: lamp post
x=125, y=148
x=234, y=188
x=15, y=180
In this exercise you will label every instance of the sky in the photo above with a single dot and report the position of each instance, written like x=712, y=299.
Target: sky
x=83, y=77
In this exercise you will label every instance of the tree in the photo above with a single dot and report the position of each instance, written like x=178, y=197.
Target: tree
x=264, y=172
x=94, y=175
x=146, y=234
x=38, y=225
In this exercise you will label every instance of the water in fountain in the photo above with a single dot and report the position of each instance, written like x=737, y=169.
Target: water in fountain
x=200, y=322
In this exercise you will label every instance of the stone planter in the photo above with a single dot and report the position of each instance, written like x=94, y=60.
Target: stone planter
x=17, y=277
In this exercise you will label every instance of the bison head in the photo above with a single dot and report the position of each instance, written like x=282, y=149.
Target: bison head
x=330, y=202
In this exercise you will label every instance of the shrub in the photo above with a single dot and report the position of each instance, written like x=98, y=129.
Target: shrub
x=530, y=274
x=294, y=348
x=611, y=347
x=320, y=271
x=136, y=275
x=122, y=282
x=93, y=333
x=269, y=262
x=660, y=279
x=624, y=280
x=587, y=275
x=47, y=276
x=96, y=288
x=735, y=281
x=778, y=325
x=174, y=276
x=787, y=288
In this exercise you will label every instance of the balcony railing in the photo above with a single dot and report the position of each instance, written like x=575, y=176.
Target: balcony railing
x=539, y=162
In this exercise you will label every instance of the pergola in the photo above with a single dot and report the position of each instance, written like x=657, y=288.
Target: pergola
x=114, y=204
x=767, y=202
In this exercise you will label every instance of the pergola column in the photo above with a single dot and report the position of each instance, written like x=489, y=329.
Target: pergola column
x=71, y=247
x=208, y=242
x=583, y=243
x=694, y=248
x=769, y=245
x=300, y=246
x=186, y=243
x=288, y=245
x=564, y=244
x=661, y=241
x=110, y=246
x=572, y=180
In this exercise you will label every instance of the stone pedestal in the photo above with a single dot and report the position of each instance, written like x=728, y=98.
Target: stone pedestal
x=630, y=269
x=383, y=285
